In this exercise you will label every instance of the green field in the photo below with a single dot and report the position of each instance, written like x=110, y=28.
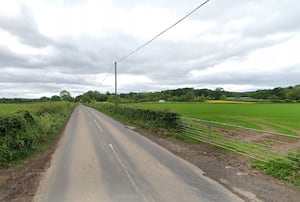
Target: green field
x=283, y=118
x=32, y=107
x=4, y=108
x=10, y=108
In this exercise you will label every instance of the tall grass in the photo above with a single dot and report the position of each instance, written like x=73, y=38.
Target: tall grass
x=22, y=132
x=283, y=169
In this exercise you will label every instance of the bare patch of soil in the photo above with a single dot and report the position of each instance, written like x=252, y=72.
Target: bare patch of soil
x=230, y=170
x=280, y=143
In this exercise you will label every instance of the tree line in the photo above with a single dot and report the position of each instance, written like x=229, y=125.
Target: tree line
x=279, y=94
x=288, y=94
x=64, y=95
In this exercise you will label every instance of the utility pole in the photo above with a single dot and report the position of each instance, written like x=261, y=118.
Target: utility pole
x=116, y=95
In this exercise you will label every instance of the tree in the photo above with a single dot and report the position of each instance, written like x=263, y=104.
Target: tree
x=202, y=98
x=189, y=96
x=279, y=93
x=273, y=98
x=66, y=96
x=294, y=94
x=44, y=99
x=55, y=98
x=78, y=98
x=217, y=93
x=223, y=97
x=175, y=99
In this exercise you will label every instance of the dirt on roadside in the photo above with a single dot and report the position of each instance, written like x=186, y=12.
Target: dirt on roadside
x=230, y=170
x=20, y=184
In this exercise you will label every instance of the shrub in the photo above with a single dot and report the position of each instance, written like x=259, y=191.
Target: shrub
x=145, y=117
x=22, y=132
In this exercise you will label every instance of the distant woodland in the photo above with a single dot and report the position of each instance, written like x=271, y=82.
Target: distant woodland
x=288, y=94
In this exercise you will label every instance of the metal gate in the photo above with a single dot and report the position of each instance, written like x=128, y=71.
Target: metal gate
x=257, y=144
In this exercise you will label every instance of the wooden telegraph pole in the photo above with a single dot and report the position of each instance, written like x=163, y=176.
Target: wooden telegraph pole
x=116, y=95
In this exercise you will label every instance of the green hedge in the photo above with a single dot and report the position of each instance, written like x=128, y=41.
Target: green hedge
x=147, y=118
x=11, y=124
x=25, y=131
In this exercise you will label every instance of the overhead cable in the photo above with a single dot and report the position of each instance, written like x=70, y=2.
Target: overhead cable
x=155, y=37
x=161, y=33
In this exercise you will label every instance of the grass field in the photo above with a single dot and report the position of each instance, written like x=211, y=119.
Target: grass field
x=13, y=107
x=10, y=108
x=32, y=107
x=283, y=118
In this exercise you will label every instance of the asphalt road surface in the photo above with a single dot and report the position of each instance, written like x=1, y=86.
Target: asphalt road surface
x=98, y=159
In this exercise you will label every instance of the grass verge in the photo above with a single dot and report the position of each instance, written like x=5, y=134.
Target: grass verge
x=283, y=169
x=31, y=129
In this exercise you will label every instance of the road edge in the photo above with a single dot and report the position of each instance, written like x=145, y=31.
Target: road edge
x=25, y=179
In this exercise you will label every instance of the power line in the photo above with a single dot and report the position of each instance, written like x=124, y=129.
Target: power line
x=155, y=37
x=108, y=71
x=161, y=33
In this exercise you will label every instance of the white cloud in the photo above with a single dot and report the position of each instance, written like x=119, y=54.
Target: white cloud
x=47, y=46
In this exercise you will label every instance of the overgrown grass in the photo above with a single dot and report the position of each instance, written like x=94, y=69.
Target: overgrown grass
x=283, y=169
x=27, y=128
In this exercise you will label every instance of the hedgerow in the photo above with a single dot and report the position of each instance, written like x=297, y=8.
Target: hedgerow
x=25, y=131
x=147, y=118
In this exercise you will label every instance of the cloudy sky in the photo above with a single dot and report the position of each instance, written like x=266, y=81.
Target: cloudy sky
x=50, y=45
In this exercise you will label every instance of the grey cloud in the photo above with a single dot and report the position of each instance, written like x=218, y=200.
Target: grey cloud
x=34, y=90
x=274, y=78
x=74, y=61
x=25, y=29
x=169, y=60
x=272, y=17
x=269, y=17
x=8, y=58
x=19, y=76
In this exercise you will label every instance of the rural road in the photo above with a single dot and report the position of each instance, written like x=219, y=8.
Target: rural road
x=98, y=159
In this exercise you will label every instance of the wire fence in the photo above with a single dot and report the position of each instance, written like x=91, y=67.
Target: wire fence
x=256, y=144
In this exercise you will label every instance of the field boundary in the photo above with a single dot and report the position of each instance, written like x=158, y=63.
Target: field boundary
x=256, y=144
